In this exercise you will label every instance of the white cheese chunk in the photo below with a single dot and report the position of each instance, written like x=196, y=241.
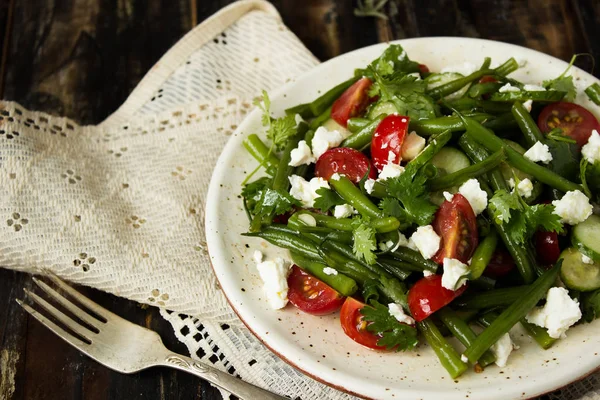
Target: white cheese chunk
x=307, y=219
x=525, y=187
x=454, y=274
x=306, y=192
x=301, y=155
x=591, y=150
x=573, y=208
x=426, y=241
x=533, y=88
x=385, y=246
x=475, y=195
x=329, y=271
x=427, y=273
x=369, y=184
x=558, y=314
x=343, y=211
x=448, y=196
x=411, y=244
x=324, y=140
x=397, y=312
x=509, y=88
x=502, y=349
x=528, y=104
x=257, y=256
x=274, y=276
x=391, y=157
x=411, y=147
x=539, y=152
x=390, y=171
x=586, y=260
x=464, y=358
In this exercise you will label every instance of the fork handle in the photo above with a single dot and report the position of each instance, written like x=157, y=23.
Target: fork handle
x=235, y=386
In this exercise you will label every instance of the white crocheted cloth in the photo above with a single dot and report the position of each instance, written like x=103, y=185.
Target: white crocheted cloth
x=119, y=206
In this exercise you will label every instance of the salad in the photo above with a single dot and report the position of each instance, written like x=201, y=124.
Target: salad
x=423, y=205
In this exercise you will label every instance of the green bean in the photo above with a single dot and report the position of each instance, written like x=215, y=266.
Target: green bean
x=320, y=104
x=483, y=254
x=362, y=138
x=288, y=239
x=348, y=267
x=320, y=119
x=432, y=126
x=415, y=258
x=491, y=298
x=463, y=332
x=381, y=225
x=539, y=334
x=336, y=236
x=432, y=148
x=513, y=314
x=484, y=283
x=259, y=150
x=280, y=180
x=487, y=61
x=395, y=263
x=448, y=356
x=302, y=170
x=457, y=84
x=507, y=67
x=356, y=124
x=479, y=89
x=504, y=121
x=340, y=282
x=467, y=104
x=491, y=142
x=478, y=153
x=593, y=92
x=473, y=171
x=547, y=96
x=352, y=195
x=530, y=130
x=396, y=268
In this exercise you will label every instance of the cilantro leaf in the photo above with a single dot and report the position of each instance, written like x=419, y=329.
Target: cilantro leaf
x=370, y=292
x=393, y=333
x=411, y=192
x=541, y=216
x=500, y=205
x=393, y=59
x=252, y=193
x=364, y=241
x=392, y=207
x=276, y=202
x=327, y=199
x=279, y=130
x=265, y=106
x=563, y=84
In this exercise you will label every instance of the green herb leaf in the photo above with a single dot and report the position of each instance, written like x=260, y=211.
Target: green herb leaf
x=394, y=335
x=327, y=199
x=252, y=192
x=501, y=204
x=279, y=130
x=563, y=83
x=392, y=208
x=364, y=241
x=370, y=292
x=276, y=202
x=590, y=305
x=411, y=193
x=541, y=216
x=370, y=8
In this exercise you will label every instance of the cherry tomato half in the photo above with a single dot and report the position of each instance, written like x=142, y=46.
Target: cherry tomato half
x=354, y=325
x=500, y=264
x=455, y=223
x=312, y=295
x=546, y=246
x=386, y=144
x=423, y=69
x=352, y=102
x=574, y=120
x=344, y=160
x=488, y=79
x=428, y=295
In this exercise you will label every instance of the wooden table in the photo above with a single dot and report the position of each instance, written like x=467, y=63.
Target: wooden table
x=82, y=58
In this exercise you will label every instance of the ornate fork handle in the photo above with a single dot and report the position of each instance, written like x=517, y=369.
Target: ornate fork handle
x=236, y=386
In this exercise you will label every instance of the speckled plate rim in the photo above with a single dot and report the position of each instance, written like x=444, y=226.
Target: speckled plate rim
x=219, y=255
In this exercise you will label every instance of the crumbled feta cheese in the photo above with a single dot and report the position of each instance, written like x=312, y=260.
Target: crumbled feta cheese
x=343, y=211
x=464, y=358
x=427, y=273
x=573, y=208
x=298, y=118
x=528, y=105
x=539, y=152
x=301, y=155
x=448, y=196
x=307, y=219
x=391, y=157
x=335, y=177
x=586, y=260
x=533, y=88
x=411, y=244
x=525, y=187
x=324, y=140
x=411, y=147
x=274, y=276
x=509, y=88
x=426, y=241
x=390, y=171
x=558, y=314
x=477, y=198
x=369, y=184
x=397, y=312
x=502, y=349
x=402, y=240
x=454, y=274
x=591, y=150
x=329, y=271
x=465, y=69
x=306, y=192
x=385, y=246
x=257, y=256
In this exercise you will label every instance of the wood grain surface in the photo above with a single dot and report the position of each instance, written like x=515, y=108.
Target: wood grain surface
x=81, y=59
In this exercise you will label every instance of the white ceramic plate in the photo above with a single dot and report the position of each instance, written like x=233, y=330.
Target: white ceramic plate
x=317, y=345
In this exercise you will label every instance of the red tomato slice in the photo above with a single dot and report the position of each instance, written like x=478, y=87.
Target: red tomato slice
x=500, y=264
x=388, y=138
x=344, y=160
x=352, y=102
x=355, y=327
x=428, y=295
x=546, y=245
x=574, y=120
x=423, y=69
x=455, y=223
x=312, y=295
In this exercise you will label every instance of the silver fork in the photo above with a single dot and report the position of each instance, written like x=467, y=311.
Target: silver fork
x=122, y=345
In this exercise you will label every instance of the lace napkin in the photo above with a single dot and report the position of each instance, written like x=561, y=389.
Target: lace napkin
x=119, y=206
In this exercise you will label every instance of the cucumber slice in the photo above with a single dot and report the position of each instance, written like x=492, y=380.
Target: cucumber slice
x=435, y=80
x=448, y=160
x=383, y=107
x=578, y=275
x=586, y=237
x=332, y=125
x=509, y=172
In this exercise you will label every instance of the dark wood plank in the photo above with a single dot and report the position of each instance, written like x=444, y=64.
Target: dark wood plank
x=6, y=8
x=588, y=14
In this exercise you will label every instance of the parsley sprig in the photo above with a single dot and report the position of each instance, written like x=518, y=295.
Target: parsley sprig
x=394, y=335
x=364, y=243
